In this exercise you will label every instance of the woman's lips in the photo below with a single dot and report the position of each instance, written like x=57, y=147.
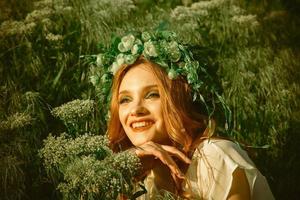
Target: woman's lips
x=141, y=125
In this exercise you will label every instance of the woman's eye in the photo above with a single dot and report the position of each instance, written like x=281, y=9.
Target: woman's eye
x=124, y=100
x=152, y=95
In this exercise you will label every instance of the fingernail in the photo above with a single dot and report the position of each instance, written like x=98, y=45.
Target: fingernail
x=181, y=176
x=189, y=161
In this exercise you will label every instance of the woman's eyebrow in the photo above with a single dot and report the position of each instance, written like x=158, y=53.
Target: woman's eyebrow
x=144, y=88
x=150, y=87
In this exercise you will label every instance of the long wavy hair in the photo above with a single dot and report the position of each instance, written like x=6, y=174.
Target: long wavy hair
x=185, y=125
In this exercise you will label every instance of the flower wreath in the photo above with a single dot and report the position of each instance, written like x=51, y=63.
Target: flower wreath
x=162, y=48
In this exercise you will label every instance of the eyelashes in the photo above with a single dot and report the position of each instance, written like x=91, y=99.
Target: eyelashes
x=124, y=100
x=150, y=95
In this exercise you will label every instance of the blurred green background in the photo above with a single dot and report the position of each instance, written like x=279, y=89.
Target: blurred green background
x=251, y=46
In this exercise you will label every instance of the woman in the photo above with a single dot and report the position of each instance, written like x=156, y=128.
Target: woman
x=153, y=114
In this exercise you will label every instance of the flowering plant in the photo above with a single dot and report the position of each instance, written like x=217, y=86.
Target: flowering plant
x=89, y=168
x=83, y=163
x=76, y=115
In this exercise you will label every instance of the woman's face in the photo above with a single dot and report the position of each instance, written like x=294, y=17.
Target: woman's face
x=140, y=109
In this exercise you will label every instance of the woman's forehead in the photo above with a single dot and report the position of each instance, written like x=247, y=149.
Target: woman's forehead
x=138, y=76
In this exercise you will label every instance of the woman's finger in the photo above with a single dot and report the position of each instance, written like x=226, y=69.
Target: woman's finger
x=174, y=151
x=156, y=150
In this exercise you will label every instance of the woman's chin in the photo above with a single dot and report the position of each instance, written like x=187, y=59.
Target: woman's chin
x=140, y=141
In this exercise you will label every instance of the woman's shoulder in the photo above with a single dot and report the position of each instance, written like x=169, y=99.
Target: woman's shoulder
x=217, y=159
x=223, y=150
x=224, y=144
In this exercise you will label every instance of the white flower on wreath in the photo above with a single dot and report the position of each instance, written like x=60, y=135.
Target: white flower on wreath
x=138, y=41
x=115, y=67
x=120, y=59
x=135, y=49
x=146, y=36
x=126, y=43
x=129, y=59
x=172, y=74
x=138, y=45
x=149, y=49
x=174, y=51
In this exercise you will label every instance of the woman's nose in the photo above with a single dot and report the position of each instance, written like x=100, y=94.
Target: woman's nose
x=138, y=110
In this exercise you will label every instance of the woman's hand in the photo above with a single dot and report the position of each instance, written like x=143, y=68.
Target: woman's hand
x=151, y=152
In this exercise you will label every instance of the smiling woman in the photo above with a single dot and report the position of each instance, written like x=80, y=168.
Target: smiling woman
x=140, y=109
x=143, y=93
x=153, y=115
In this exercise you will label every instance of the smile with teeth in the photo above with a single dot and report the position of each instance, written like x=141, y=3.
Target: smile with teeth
x=141, y=125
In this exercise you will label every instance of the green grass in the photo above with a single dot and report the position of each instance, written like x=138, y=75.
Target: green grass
x=252, y=48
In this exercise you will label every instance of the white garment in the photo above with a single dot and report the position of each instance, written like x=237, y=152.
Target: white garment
x=209, y=176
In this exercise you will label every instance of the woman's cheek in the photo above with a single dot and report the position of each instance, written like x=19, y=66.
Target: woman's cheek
x=122, y=116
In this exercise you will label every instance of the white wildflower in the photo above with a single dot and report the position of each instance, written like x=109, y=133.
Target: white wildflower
x=187, y=2
x=207, y=5
x=244, y=19
x=202, y=13
x=16, y=121
x=74, y=111
x=31, y=96
x=189, y=26
x=47, y=24
x=182, y=13
x=54, y=38
x=146, y=36
x=29, y=28
x=38, y=15
x=67, y=9
x=99, y=60
x=94, y=79
x=237, y=10
x=255, y=24
x=10, y=28
x=43, y=4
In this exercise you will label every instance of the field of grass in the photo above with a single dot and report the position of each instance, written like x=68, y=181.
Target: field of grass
x=252, y=48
